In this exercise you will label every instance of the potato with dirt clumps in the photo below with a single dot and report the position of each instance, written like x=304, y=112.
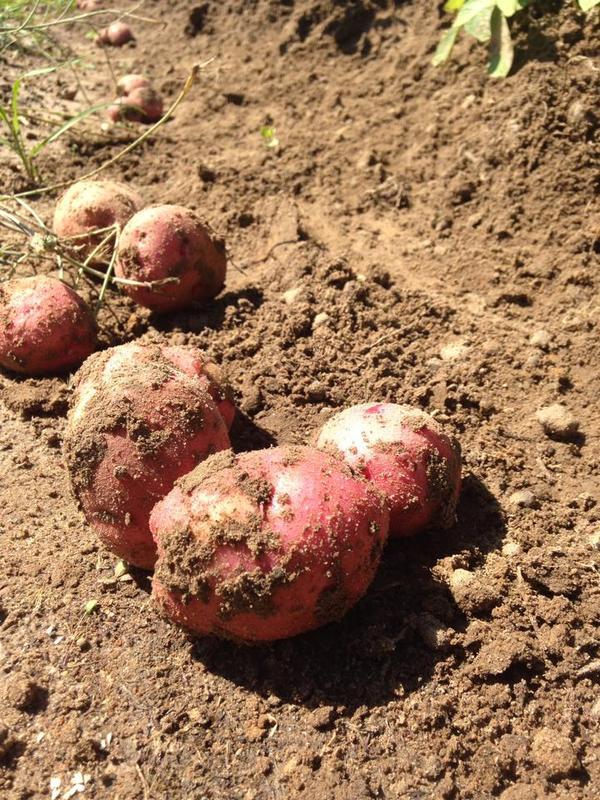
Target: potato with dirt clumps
x=136, y=424
x=406, y=454
x=169, y=243
x=45, y=326
x=116, y=35
x=196, y=363
x=89, y=206
x=267, y=544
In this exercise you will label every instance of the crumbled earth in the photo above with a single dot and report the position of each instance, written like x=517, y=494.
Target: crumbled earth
x=428, y=236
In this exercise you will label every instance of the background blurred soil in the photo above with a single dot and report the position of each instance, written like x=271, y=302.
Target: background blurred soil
x=420, y=235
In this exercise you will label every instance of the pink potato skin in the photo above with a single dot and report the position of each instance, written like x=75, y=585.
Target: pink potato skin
x=197, y=364
x=128, y=83
x=117, y=34
x=169, y=241
x=267, y=544
x=92, y=205
x=408, y=457
x=143, y=104
x=136, y=425
x=45, y=326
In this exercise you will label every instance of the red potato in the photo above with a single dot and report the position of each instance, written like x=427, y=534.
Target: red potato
x=89, y=5
x=265, y=545
x=88, y=206
x=170, y=242
x=143, y=104
x=196, y=363
x=406, y=454
x=136, y=425
x=45, y=326
x=128, y=83
x=116, y=35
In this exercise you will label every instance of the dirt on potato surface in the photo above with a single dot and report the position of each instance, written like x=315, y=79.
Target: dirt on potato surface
x=422, y=235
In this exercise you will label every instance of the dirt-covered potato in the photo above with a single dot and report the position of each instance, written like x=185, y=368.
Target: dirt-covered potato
x=267, y=544
x=137, y=423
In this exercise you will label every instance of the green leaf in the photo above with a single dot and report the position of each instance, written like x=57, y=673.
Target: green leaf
x=501, y=46
x=480, y=26
x=587, y=5
x=453, y=5
x=445, y=46
x=14, y=105
x=510, y=7
x=471, y=9
x=90, y=607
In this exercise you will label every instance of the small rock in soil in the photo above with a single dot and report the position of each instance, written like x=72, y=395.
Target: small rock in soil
x=523, y=499
x=470, y=593
x=557, y=421
x=541, y=339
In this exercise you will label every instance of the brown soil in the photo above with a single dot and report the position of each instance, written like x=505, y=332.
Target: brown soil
x=440, y=220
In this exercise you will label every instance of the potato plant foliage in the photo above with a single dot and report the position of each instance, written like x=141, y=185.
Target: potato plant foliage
x=487, y=21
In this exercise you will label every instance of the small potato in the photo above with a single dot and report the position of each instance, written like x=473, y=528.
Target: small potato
x=128, y=83
x=116, y=35
x=196, y=363
x=45, y=326
x=143, y=104
x=170, y=242
x=88, y=206
x=137, y=423
x=267, y=544
x=407, y=456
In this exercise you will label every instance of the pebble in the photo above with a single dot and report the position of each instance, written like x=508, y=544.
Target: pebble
x=595, y=540
x=541, y=339
x=511, y=549
x=292, y=295
x=558, y=421
x=470, y=593
x=554, y=753
x=523, y=499
x=453, y=351
x=320, y=319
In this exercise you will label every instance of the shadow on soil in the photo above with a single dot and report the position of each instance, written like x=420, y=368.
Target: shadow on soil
x=376, y=650
x=211, y=315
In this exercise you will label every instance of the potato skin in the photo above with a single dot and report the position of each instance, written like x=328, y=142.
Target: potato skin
x=117, y=34
x=91, y=205
x=196, y=363
x=128, y=83
x=169, y=241
x=267, y=544
x=45, y=326
x=136, y=424
x=408, y=457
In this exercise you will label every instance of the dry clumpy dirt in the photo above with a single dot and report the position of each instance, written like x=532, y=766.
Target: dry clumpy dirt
x=437, y=244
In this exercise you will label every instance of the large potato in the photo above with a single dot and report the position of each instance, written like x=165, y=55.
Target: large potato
x=266, y=544
x=137, y=423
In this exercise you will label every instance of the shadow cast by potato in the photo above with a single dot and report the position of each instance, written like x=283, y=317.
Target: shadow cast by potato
x=379, y=649
x=207, y=315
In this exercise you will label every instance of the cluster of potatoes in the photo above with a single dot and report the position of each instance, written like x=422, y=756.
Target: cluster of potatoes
x=165, y=259
x=254, y=546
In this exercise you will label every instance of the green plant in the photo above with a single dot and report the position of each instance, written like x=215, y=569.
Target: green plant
x=14, y=118
x=487, y=21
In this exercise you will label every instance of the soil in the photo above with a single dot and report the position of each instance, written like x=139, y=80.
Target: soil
x=423, y=235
